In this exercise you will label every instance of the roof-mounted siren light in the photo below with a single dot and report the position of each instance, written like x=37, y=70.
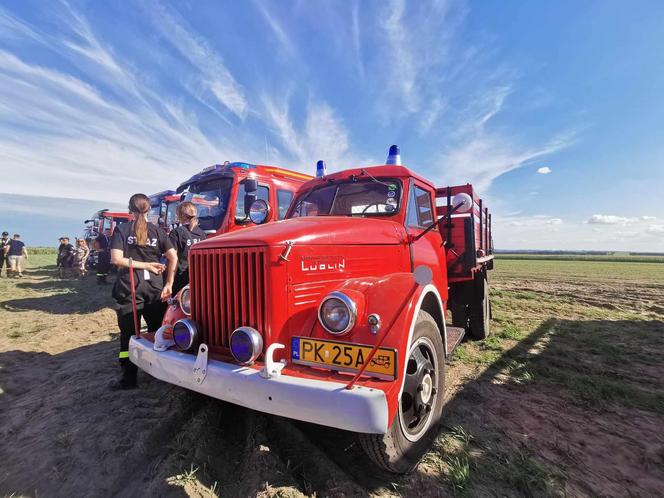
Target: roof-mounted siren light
x=321, y=169
x=394, y=156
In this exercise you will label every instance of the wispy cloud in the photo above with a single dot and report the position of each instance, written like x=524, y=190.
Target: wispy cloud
x=357, y=44
x=485, y=157
x=323, y=136
x=401, y=60
x=275, y=26
x=610, y=219
x=81, y=140
x=214, y=76
x=12, y=27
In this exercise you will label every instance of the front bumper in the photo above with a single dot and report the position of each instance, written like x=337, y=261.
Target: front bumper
x=321, y=402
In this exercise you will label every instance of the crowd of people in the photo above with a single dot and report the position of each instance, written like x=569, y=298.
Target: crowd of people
x=12, y=255
x=142, y=253
x=76, y=259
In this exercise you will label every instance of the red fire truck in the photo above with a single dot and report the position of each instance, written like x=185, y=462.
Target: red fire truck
x=103, y=221
x=223, y=193
x=336, y=315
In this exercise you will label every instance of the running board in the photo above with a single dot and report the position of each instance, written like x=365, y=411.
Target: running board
x=454, y=337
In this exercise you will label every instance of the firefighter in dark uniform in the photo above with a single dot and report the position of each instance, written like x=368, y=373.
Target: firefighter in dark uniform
x=137, y=246
x=182, y=238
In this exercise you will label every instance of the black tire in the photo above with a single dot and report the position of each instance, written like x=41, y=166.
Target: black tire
x=400, y=449
x=479, y=312
x=459, y=314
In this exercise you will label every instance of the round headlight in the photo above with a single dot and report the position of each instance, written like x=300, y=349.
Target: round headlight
x=259, y=212
x=337, y=313
x=185, y=334
x=246, y=345
x=185, y=301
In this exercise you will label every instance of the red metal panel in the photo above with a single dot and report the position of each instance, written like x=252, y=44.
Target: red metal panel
x=216, y=328
x=243, y=288
x=228, y=309
x=251, y=276
x=228, y=287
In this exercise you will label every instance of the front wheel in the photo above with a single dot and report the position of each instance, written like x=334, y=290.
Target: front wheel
x=416, y=422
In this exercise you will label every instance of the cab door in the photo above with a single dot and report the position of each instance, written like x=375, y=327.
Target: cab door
x=426, y=250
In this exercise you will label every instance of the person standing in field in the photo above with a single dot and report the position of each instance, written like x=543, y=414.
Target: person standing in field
x=80, y=257
x=182, y=238
x=15, y=252
x=3, y=259
x=137, y=247
x=103, y=263
x=65, y=259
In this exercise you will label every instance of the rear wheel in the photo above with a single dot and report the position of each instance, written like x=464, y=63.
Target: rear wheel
x=479, y=312
x=420, y=406
x=459, y=314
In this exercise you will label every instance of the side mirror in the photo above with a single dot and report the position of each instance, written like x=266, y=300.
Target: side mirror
x=249, y=199
x=260, y=212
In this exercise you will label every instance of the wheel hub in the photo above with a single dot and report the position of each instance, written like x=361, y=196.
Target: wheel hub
x=426, y=388
x=419, y=393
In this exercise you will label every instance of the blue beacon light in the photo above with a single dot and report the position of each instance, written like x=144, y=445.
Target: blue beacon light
x=321, y=169
x=394, y=156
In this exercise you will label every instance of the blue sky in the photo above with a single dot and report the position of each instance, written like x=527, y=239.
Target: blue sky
x=99, y=100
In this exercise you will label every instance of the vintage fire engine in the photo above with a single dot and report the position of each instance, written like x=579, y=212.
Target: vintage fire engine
x=223, y=193
x=337, y=314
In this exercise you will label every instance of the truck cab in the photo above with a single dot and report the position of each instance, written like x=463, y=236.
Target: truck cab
x=104, y=222
x=163, y=206
x=224, y=193
x=337, y=314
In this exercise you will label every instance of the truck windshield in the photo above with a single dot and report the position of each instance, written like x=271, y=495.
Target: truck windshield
x=371, y=197
x=211, y=199
x=153, y=215
x=171, y=214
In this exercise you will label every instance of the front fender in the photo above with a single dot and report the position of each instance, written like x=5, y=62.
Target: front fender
x=397, y=299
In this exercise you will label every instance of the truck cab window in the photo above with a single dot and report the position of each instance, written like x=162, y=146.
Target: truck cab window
x=375, y=197
x=284, y=198
x=211, y=200
x=262, y=193
x=420, y=211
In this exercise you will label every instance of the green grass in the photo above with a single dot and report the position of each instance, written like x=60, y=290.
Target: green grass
x=42, y=250
x=614, y=258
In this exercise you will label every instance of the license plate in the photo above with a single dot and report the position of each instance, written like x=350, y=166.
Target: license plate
x=344, y=357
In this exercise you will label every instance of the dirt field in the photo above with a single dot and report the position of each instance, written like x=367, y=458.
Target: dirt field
x=567, y=398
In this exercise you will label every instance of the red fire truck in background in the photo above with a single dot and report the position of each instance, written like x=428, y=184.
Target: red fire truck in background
x=224, y=193
x=336, y=315
x=103, y=221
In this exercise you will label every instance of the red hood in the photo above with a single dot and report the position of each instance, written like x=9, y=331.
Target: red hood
x=313, y=230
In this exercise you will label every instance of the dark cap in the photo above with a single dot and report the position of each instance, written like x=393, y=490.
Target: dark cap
x=5, y=233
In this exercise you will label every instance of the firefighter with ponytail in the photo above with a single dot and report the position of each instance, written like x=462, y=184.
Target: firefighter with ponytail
x=136, y=249
x=182, y=238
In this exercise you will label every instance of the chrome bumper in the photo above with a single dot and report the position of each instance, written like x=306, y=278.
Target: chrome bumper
x=321, y=402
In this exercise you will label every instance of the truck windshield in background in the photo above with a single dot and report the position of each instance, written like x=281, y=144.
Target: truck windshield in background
x=211, y=199
x=171, y=214
x=375, y=197
x=153, y=215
